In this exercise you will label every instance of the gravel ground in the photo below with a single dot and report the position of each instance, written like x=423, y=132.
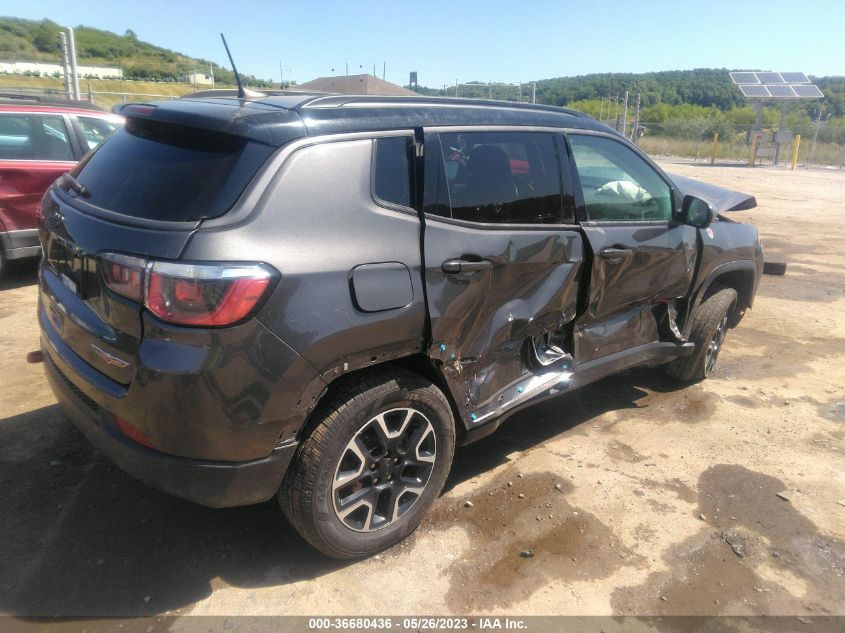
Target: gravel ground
x=635, y=497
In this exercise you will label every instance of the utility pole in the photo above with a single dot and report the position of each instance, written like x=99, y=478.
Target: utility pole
x=384, y=71
x=625, y=115
x=211, y=72
x=74, y=77
x=520, y=92
x=65, y=64
x=533, y=92
x=490, y=90
x=615, y=112
x=635, y=131
x=456, y=88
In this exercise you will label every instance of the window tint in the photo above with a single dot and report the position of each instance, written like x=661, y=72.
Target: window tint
x=159, y=171
x=34, y=137
x=617, y=184
x=393, y=179
x=94, y=130
x=499, y=177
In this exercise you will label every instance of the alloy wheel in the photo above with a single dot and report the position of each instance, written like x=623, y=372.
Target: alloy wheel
x=384, y=469
x=715, y=346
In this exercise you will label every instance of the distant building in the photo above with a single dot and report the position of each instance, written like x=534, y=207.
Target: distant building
x=356, y=85
x=198, y=78
x=48, y=70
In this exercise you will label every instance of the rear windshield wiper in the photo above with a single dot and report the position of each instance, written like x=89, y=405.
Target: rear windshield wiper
x=72, y=183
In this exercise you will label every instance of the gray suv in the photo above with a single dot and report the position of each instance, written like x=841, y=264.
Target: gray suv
x=319, y=297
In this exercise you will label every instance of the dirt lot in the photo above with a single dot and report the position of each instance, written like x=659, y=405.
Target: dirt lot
x=668, y=500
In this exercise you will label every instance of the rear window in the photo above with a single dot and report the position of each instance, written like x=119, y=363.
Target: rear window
x=159, y=171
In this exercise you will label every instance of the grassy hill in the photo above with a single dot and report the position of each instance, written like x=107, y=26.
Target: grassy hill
x=29, y=40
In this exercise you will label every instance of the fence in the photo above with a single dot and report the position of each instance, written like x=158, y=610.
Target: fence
x=694, y=139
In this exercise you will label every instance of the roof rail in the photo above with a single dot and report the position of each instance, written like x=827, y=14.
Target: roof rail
x=329, y=101
x=232, y=92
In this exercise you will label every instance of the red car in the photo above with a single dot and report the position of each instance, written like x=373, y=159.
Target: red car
x=39, y=141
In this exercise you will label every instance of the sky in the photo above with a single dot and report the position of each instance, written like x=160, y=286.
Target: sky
x=447, y=41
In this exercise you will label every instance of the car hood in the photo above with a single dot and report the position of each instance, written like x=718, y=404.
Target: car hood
x=722, y=199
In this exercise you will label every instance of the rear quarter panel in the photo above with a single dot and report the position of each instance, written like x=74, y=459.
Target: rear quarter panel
x=315, y=224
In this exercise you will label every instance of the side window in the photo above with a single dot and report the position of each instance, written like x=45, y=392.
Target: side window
x=393, y=177
x=50, y=139
x=496, y=177
x=15, y=138
x=94, y=130
x=616, y=183
x=34, y=137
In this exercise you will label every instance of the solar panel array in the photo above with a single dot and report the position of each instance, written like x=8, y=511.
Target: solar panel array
x=747, y=77
x=783, y=91
x=771, y=85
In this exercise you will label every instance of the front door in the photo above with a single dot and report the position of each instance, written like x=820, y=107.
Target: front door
x=502, y=256
x=642, y=260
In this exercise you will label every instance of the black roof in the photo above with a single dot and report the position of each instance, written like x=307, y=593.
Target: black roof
x=278, y=119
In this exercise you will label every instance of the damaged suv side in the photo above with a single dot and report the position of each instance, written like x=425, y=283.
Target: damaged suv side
x=363, y=284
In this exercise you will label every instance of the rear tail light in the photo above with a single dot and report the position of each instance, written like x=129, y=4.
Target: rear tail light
x=189, y=294
x=193, y=294
x=124, y=275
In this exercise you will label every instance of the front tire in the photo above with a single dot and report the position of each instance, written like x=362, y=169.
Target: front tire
x=372, y=466
x=709, y=327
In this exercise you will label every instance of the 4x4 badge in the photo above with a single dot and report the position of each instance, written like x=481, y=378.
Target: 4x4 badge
x=109, y=359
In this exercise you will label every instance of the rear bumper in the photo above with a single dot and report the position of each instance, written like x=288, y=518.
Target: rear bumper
x=212, y=483
x=20, y=244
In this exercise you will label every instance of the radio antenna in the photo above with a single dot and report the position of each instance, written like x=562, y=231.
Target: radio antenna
x=241, y=91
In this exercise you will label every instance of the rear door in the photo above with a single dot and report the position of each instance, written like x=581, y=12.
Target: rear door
x=502, y=256
x=35, y=149
x=641, y=260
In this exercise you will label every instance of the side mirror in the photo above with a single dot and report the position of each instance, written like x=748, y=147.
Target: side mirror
x=697, y=212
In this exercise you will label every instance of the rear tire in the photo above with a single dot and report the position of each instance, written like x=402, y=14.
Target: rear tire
x=372, y=466
x=709, y=327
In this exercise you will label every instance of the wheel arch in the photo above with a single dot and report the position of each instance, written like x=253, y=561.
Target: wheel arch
x=416, y=363
x=741, y=275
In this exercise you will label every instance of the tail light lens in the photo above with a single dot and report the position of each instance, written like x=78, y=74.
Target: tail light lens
x=124, y=275
x=200, y=294
x=189, y=294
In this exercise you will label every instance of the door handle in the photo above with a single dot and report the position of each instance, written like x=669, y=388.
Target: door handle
x=616, y=255
x=463, y=266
